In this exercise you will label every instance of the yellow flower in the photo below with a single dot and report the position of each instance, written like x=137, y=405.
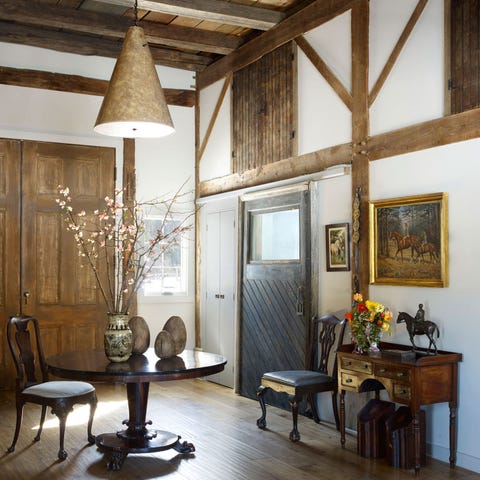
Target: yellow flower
x=373, y=306
x=385, y=326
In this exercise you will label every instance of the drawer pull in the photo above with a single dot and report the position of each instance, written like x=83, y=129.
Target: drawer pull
x=348, y=380
x=366, y=366
x=400, y=374
x=348, y=363
x=382, y=370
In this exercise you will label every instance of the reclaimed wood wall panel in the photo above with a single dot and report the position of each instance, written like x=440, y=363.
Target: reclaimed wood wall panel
x=465, y=55
x=264, y=110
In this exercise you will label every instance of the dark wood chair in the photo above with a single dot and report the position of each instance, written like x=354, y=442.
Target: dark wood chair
x=326, y=335
x=30, y=364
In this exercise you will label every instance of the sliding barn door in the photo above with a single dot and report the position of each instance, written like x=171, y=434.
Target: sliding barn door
x=43, y=275
x=275, y=305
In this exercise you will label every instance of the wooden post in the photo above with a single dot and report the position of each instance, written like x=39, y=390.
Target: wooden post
x=129, y=182
x=360, y=133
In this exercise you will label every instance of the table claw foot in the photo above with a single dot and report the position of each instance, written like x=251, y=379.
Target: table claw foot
x=91, y=439
x=115, y=460
x=184, y=447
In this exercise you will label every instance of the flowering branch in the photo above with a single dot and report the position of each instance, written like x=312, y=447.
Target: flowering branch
x=113, y=240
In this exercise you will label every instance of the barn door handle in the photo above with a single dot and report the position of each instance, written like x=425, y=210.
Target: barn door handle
x=300, y=301
x=27, y=296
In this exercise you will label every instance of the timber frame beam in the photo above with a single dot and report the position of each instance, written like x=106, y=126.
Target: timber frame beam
x=78, y=84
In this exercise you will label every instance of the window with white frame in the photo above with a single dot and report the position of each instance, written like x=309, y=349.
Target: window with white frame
x=168, y=275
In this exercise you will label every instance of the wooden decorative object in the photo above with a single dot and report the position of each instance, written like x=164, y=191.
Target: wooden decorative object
x=176, y=327
x=372, y=439
x=141, y=335
x=172, y=339
x=164, y=345
x=399, y=432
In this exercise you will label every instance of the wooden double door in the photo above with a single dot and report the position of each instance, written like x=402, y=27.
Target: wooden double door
x=41, y=273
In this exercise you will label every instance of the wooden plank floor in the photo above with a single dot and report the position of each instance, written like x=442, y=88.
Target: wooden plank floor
x=219, y=423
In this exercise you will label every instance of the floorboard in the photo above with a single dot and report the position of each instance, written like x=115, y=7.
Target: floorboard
x=220, y=424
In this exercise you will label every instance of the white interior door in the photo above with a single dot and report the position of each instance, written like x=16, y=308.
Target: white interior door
x=219, y=318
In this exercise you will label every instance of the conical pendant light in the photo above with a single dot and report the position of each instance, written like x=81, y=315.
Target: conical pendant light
x=134, y=105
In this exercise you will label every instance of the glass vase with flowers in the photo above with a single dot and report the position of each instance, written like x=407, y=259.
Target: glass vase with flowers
x=368, y=321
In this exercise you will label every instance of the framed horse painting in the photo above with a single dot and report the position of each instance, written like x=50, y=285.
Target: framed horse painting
x=337, y=243
x=409, y=241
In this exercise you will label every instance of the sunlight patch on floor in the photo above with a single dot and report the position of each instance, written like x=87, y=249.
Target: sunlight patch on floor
x=79, y=415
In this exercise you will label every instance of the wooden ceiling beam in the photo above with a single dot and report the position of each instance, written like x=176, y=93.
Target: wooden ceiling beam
x=298, y=166
x=313, y=15
x=84, y=45
x=77, y=84
x=114, y=26
x=212, y=10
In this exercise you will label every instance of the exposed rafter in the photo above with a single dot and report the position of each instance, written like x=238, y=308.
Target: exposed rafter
x=212, y=10
x=115, y=26
x=313, y=15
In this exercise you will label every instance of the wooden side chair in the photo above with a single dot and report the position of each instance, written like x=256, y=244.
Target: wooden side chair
x=30, y=364
x=300, y=383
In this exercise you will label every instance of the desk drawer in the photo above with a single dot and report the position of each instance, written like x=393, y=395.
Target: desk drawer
x=401, y=392
x=362, y=366
x=392, y=371
x=349, y=380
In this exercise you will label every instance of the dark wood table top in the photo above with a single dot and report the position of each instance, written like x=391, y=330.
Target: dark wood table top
x=93, y=365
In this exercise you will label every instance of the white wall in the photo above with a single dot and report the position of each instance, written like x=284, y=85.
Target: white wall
x=163, y=165
x=412, y=93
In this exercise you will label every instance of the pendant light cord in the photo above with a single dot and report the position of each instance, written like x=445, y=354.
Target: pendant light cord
x=135, y=11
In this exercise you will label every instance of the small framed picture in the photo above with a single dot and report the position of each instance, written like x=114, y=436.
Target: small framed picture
x=338, y=247
x=409, y=241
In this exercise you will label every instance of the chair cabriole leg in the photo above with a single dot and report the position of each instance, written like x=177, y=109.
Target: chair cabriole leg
x=93, y=407
x=42, y=420
x=262, y=422
x=17, y=427
x=294, y=434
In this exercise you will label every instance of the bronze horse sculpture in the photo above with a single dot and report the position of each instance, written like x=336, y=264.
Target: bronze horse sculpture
x=419, y=327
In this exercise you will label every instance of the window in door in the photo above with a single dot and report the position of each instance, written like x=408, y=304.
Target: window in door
x=275, y=236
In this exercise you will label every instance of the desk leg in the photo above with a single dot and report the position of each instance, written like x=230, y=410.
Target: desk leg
x=416, y=441
x=342, y=417
x=453, y=433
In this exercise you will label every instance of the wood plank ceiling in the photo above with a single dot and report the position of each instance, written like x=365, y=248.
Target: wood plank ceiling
x=186, y=34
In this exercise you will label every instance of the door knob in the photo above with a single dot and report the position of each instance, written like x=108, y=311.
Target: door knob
x=27, y=296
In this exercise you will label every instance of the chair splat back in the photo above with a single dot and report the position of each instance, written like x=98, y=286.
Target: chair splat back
x=324, y=340
x=27, y=352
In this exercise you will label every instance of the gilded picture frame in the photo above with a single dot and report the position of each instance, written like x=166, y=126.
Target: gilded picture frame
x=409, y=241
x=337, y=242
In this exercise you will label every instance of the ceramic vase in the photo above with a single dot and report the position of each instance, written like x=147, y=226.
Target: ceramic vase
x=118, y=339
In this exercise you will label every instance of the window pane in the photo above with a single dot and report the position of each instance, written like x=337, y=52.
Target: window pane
x=275, y=235
x=168, y=274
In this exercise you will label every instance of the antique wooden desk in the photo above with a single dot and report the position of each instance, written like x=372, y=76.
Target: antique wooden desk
x=424, y=380
x=137, y=373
